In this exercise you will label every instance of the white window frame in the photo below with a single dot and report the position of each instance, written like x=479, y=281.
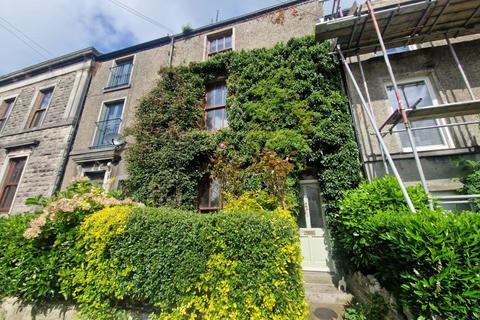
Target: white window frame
x=21, y=154
x=102, y=109
x=444, y=132
x=7, y=116
x=32, y=105
x=113, y=65
x=105, y=174
x=215, y=34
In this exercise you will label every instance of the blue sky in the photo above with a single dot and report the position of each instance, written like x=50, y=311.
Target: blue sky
x=63, y=26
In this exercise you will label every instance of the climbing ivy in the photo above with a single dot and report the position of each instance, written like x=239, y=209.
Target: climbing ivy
x=284, y=101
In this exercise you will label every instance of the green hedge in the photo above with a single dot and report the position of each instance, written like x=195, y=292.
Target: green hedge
x=430, y=259
x=170, y=263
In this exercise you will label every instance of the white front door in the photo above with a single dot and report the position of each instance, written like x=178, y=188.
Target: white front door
x=313, y=235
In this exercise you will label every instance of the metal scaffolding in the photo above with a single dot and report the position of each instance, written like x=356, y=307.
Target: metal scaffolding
x=406, y=23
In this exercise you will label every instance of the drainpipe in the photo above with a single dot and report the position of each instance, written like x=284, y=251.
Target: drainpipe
x=170, y=54
x=76, y=121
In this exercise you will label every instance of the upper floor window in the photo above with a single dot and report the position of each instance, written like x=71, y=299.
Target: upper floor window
x=219, y=42
x=416, y=95
x=40, y=107
x=215, y=113
x=109, y=125
x=120, y=73
x=10, y=182
x=5, y=109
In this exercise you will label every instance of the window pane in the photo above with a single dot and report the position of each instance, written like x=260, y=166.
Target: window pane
x=47, y=96
x=210, y=96
x=209, y=125
x=215, y=191
x=219, y=95
x=120, y=73
x=96, y=176
x=213, y=45
x=416, y=95
x=37, y=118
x=220, y=44
x=218, y=119
x=7, y=197
x=17, y=170
x=228, y=42
x=109, y=126
x=204, y=194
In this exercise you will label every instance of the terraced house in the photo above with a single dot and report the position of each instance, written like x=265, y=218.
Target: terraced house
x=122, y=77
x=39, y=109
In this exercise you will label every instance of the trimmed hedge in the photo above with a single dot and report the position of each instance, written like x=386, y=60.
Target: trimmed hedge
x=430, y=259
x=170, y=263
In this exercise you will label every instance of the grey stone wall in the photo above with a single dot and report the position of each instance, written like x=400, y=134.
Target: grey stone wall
x=261, y=31
x=46, y=157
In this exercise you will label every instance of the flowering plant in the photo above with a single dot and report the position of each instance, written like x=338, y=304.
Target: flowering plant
x=66, y=209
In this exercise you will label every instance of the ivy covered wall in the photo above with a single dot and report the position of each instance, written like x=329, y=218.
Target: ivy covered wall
x=287, y=117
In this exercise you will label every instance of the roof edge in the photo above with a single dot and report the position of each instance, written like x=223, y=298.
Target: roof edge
x=45, y=66
x=167, y=39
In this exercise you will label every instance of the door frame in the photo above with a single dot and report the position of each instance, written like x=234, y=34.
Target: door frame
x=326, y=234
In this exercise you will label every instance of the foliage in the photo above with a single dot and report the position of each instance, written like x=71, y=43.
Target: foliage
x=471, y=181
x=40, y=250
x=430, y=259
x=97, y=280
x=284, y=106
x=236, y=265
x=374, y=309
x=175, y=264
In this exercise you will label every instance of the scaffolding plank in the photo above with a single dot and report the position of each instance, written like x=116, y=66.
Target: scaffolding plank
x=448, y=110
x=408, y=22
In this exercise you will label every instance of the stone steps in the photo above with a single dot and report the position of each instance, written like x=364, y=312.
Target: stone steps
x=325, y=301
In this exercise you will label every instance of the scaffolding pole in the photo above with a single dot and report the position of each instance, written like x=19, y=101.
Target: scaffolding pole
x=460, y=68
x=369, y=100
x=400, y=103
x=377, y=132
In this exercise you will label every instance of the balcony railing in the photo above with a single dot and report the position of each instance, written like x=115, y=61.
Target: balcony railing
x=106, y=131
x=119, y=76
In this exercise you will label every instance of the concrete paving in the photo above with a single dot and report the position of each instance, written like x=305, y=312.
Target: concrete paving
x=325, y=301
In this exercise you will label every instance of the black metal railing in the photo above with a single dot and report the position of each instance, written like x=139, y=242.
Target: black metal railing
x=106, y=131
x=119, y=75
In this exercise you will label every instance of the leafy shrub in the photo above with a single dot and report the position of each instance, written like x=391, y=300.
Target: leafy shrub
x=375, y=309
x=471, y=181
x=235, y=265
x=40, y=251
x=430, y=259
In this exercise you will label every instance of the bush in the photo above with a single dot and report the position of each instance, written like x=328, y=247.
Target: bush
x=39, y=251
x=430, y=259
x=171, y=263
x=471, y=182
x=187, y=265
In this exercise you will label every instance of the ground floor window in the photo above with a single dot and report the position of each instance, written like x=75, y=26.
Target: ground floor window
x=96, y=176
x=210, y=195
x=10, y=182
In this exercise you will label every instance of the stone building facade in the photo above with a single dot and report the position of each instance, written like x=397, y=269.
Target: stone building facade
x=120, y=79
x=39, y=109
x=429, y=71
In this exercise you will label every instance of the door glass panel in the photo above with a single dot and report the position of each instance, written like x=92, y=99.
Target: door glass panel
x=416, y=95
x=314, y=205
